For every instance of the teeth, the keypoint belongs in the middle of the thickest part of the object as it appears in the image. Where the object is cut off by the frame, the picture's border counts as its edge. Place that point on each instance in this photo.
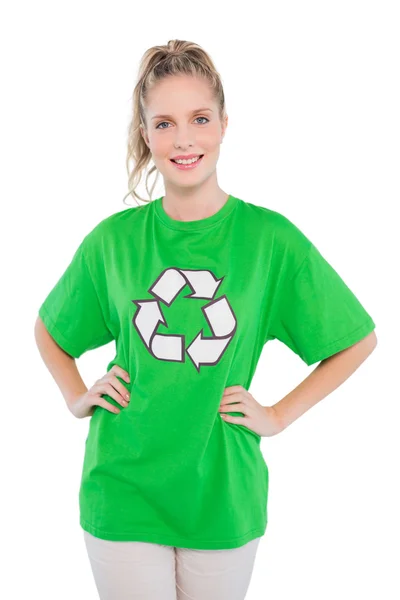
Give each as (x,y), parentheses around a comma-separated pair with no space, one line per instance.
(187,162)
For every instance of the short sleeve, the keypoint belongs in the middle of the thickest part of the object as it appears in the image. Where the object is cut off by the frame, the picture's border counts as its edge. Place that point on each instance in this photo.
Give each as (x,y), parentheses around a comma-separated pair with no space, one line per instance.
(72,311)
(316,314)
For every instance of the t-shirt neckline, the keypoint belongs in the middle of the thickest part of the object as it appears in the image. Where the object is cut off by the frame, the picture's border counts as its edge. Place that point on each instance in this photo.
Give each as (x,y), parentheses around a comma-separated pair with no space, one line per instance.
(223,212)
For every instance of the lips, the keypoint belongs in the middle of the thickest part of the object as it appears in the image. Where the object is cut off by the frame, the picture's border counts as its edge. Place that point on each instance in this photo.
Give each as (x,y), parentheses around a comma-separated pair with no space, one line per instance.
(188,167)
(174,161)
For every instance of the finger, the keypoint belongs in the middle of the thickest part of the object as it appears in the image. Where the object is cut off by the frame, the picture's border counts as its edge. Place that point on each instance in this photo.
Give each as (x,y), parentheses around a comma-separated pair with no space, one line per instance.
(107,405)
(228,406)
(121,389)
(231,398)
(117,370)
(236,420)
(233,389)
(232,401)
(105,387)
(238,407)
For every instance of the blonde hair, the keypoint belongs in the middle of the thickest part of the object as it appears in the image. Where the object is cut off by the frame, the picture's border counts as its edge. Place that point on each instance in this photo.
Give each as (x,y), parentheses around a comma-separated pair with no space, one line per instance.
(178,57)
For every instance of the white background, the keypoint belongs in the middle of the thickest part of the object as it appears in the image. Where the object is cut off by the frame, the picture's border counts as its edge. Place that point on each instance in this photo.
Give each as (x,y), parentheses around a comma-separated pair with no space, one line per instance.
(312,92)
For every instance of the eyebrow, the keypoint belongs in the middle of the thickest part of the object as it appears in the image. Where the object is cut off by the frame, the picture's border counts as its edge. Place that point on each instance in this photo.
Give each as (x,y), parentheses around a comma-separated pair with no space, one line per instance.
(191,113)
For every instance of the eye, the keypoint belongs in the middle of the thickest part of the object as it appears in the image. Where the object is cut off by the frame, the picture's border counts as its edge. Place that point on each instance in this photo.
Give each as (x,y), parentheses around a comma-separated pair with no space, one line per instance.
(162,123)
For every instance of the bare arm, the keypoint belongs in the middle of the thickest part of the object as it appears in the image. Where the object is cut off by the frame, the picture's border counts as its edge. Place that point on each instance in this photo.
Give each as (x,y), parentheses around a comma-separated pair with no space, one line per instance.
(61,365)
(80,400)
(326,377)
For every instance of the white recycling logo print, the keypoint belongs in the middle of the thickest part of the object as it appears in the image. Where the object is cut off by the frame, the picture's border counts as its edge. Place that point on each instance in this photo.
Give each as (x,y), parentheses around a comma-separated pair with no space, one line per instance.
(218,313)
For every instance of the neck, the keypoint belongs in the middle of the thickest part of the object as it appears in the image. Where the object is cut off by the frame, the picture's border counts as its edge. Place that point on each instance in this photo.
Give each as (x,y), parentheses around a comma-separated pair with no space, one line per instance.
(191,205)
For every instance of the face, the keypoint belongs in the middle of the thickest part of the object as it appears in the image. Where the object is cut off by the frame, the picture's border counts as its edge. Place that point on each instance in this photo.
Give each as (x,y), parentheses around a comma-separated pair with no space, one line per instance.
(176,126)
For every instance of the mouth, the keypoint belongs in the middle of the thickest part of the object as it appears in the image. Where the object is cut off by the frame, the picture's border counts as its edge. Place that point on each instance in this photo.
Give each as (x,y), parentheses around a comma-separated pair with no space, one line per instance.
(189,166)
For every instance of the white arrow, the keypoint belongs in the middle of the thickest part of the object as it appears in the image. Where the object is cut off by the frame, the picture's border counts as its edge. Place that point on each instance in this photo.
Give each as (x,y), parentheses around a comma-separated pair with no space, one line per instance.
(168,347)
(206,351)
(147,318)
(220,317)
(168,286)
(203,282)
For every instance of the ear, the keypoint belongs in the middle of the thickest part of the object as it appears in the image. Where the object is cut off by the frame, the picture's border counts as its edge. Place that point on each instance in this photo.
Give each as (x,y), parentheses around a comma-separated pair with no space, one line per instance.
(225,125)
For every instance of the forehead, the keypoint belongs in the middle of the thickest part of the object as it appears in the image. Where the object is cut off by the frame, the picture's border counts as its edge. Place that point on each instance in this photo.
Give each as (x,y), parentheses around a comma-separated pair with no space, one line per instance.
(179,95)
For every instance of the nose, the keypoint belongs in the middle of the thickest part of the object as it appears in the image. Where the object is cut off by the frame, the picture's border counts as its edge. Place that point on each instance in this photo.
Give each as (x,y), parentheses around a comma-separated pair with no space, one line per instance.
(183,139)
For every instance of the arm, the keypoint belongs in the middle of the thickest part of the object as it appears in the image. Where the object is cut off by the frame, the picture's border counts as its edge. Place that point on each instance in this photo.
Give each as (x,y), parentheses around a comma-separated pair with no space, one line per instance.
(329,374)
(61,365)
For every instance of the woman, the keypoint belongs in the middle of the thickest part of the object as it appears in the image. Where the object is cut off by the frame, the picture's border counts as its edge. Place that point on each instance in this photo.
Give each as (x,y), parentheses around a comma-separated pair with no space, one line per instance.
(173,497)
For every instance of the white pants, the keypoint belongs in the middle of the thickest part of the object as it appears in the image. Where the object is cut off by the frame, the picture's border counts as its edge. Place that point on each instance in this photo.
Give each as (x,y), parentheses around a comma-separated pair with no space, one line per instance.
(147,571)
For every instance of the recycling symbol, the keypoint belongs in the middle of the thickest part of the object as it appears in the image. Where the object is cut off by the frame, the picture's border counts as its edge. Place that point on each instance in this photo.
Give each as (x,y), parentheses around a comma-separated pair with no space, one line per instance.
(218,313)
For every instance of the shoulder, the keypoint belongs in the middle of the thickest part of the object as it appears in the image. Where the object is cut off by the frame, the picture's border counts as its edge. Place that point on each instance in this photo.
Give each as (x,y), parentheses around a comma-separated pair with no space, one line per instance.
(279,229)
(112,227)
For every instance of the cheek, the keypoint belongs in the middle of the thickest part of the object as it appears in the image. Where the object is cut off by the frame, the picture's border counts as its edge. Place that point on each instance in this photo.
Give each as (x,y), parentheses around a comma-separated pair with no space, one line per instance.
(159,147)
(209,140)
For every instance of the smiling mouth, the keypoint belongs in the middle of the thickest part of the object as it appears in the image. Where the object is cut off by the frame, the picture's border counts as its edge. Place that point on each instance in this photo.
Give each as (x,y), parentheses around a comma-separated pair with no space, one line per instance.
(174,161)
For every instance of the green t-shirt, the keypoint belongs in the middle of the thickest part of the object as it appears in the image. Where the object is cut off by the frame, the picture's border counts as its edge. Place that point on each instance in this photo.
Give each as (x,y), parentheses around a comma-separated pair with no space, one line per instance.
(190,306)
